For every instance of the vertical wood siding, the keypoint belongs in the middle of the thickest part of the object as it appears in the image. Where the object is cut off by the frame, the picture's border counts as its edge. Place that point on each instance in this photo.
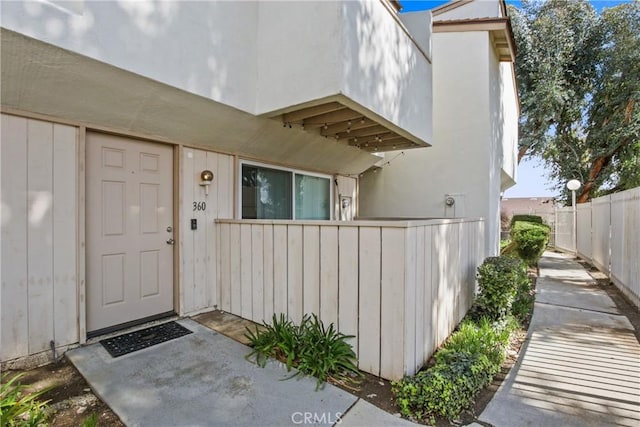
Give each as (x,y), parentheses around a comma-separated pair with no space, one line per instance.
(400,290)
(38,178)
(199,248)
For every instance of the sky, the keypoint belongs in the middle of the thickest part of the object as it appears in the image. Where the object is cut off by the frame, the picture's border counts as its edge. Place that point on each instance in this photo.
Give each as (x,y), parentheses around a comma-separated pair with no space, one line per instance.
(532,181)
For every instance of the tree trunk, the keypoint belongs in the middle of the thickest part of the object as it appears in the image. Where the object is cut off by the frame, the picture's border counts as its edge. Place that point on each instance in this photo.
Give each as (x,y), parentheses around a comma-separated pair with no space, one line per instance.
(521,152)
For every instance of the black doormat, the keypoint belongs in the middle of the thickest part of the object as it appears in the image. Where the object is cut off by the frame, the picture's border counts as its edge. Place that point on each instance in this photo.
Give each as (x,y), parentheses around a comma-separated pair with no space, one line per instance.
(134,341)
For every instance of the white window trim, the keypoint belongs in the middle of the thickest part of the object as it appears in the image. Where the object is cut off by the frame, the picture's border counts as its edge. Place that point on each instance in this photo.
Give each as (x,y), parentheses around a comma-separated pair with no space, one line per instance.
(293,186)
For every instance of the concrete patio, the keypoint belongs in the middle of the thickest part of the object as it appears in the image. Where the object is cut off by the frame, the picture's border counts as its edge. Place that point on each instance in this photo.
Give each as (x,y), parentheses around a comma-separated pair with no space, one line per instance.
(203,379)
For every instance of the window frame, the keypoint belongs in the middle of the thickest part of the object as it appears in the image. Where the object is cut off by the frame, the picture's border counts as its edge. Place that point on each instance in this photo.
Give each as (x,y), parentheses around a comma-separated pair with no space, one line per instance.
(293,173)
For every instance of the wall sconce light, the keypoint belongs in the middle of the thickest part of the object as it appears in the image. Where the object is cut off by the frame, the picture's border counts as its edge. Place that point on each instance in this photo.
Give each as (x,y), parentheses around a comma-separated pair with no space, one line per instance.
(206,178)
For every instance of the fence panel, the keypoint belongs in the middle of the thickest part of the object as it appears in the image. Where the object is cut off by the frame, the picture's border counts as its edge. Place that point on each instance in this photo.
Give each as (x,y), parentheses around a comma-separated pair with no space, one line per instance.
(584,230)
(399,286)
(564,229)
(625,242)
(608,236)
(600,232)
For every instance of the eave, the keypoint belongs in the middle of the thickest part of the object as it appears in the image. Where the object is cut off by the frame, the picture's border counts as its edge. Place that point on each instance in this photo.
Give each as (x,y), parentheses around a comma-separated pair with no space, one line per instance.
(499,28)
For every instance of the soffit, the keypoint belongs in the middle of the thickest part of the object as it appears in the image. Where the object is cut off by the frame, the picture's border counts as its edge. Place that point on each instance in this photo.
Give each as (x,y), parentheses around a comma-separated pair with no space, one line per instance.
(335,120)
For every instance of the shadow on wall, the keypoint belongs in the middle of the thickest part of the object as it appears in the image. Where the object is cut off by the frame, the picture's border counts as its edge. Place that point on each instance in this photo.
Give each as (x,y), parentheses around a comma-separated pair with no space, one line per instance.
(197,36)
(381,52)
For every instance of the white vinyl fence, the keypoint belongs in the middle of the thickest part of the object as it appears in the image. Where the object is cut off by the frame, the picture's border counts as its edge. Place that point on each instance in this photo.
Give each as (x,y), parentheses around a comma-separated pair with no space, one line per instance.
(564,229)
(400,287)
(608,235)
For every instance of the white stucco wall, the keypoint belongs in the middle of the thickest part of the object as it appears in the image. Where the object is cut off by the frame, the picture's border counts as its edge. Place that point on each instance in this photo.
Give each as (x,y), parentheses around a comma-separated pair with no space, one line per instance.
(259,57)
(474,9)
(511,111)
(383,69)
(464,160)
(298,53)
(419,25)
(206,48)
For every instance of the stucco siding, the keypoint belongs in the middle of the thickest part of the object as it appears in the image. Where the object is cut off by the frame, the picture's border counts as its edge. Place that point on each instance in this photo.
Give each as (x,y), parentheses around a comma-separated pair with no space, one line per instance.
(206,48)
(473,9)
(383,69)
(415,184)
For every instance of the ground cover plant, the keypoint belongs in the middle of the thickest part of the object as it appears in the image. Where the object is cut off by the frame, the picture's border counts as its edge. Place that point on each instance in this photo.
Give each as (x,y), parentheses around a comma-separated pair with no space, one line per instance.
(18,408)
(475,352)
(310,347)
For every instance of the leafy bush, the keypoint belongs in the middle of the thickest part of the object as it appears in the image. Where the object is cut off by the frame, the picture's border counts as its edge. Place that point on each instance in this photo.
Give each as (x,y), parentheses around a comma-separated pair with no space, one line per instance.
(18,408)
(526,218)
(466,364)
(310,347)
(498,280)
(522,305)
(530,240)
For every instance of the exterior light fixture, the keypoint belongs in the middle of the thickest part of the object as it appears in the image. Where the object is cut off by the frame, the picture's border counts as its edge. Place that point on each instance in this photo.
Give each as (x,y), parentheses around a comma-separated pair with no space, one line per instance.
(206,178)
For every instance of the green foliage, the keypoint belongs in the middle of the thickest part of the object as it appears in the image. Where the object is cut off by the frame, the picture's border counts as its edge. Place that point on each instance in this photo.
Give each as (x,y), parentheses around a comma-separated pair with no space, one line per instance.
(498,280)
(467,363)
(90,421)
(578,77)
(312,348)
(522,305)
(18,408)
(530,240)
(528,218)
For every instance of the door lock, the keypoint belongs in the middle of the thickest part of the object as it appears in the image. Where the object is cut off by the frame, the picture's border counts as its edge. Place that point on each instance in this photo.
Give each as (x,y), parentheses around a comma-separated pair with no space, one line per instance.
(171,242)
(169,229)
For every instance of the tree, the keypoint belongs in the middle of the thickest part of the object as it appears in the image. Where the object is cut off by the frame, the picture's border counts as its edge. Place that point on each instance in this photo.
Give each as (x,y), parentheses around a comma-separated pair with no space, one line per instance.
(578,79)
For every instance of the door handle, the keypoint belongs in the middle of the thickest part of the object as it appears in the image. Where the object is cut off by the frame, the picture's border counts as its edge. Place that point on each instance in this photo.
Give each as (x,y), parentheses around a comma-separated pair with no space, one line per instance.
(171,241)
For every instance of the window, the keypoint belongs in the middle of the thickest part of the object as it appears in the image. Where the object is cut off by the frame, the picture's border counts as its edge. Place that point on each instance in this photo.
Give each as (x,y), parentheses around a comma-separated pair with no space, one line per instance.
(269,193)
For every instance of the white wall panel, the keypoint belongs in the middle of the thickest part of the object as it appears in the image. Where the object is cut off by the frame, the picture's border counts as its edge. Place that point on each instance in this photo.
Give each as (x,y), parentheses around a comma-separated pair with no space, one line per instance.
(199,248)
(39,236)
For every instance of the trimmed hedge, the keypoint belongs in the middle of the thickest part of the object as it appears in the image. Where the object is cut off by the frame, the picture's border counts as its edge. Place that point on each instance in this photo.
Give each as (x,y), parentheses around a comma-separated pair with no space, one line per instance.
(499,279)
(526,218)
(530,240)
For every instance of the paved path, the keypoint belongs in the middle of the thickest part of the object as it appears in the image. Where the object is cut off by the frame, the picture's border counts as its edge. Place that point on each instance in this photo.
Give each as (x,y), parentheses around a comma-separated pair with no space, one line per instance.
(203,379)
(581,363)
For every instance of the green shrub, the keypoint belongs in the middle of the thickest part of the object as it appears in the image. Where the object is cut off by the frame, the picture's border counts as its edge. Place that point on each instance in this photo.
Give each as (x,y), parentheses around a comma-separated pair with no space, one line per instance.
(310,347)
(498,280)
(530,240)
(526,218)
(466,364)
(18,408)
(522,305)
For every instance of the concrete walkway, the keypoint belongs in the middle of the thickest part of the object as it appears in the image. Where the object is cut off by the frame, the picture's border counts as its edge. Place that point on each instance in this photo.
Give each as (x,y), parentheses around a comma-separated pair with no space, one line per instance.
(580,365)
(203,379)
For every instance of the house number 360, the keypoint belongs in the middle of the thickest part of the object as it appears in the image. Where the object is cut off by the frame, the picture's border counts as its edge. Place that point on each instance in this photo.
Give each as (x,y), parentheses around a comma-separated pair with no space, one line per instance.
(199,206)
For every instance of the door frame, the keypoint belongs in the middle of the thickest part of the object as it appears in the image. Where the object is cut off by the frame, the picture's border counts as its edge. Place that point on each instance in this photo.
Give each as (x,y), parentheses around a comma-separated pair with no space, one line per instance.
(82,228)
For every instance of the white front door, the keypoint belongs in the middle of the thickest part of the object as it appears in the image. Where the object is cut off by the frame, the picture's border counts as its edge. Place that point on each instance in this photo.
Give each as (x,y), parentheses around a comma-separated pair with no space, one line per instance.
(129,229)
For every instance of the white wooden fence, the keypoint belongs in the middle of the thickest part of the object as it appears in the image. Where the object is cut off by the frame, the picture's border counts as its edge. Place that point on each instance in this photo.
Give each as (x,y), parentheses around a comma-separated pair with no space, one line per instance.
(608,235)
(400,287)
